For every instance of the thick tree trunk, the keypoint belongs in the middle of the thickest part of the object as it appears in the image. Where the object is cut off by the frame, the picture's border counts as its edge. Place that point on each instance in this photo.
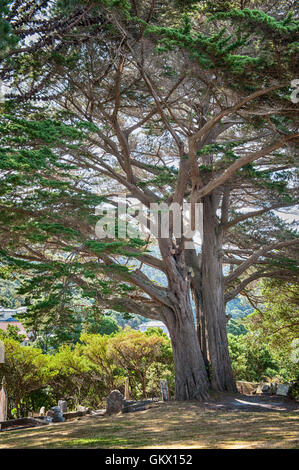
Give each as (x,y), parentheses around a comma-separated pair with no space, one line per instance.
(211,307)
(191,379)
(201,324)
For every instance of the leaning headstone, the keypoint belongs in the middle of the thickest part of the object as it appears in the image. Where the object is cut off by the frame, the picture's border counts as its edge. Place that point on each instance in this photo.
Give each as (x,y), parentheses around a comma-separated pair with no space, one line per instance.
(2,352)
(3,401)
(62,405)
(273,388)
(247,388)
(127,393)
(49,416)
(130,405)
(164,390)
(259,389)
(114,402)
(282,389)
(57,415)
(82,408)
(266,388)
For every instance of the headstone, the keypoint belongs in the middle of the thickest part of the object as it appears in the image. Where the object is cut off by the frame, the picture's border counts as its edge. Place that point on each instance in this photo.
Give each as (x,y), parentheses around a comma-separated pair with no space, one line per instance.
(247,388)
(49,416)
(3,401)
(2,352)
(100,412)
(259,389)
(273,387)
(164,390)
(127,393)
(130,405)
(42,411)
(282,389)
(62,405)
(266,388)
(115,402)
(57,415)
(82,408)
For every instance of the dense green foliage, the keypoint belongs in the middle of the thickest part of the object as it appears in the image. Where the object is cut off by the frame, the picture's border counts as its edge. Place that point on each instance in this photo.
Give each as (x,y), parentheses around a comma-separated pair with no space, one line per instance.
(250,361)
(206,85)
(12,332)
(27,370)
(86,373)
(275,326)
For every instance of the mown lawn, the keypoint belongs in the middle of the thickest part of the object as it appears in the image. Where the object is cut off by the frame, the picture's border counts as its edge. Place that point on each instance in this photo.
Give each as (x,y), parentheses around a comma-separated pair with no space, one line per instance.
(172,425)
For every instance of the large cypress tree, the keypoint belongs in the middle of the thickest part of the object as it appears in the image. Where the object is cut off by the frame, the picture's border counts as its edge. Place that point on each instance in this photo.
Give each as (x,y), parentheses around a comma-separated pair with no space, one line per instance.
(164,104)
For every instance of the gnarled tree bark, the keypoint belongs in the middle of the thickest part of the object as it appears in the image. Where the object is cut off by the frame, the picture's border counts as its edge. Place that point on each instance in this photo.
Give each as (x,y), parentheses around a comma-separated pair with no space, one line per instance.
(190,371)
(210,303)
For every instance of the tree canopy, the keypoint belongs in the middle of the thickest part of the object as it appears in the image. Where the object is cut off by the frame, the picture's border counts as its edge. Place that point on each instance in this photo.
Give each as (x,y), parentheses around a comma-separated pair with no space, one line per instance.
(155,102)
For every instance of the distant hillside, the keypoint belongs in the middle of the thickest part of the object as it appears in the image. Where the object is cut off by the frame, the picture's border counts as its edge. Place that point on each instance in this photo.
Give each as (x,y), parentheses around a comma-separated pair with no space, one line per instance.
(239,308)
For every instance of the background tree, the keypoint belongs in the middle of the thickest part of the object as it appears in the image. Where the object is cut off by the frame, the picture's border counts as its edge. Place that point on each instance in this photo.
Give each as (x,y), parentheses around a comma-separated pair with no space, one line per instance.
(276,324)
(81,380)
(96,349)
(104,326)
(135,352)
(251,360)
(12,332)
(85,373)
(26,370)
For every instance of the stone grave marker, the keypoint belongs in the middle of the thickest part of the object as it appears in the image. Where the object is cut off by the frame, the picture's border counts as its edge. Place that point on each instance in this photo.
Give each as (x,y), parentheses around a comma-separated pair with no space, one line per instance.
(164,390)
(282,389)
(62,405)
(3,401)
(114,402)
(57,415)
(82,408)
(273,388)
(265,388)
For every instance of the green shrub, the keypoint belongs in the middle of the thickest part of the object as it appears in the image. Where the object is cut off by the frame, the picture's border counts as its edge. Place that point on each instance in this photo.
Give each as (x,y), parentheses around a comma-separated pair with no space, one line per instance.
(27,371)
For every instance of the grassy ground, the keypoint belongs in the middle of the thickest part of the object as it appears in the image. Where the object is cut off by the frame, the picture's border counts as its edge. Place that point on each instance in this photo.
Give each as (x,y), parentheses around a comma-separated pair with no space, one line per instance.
(172,425)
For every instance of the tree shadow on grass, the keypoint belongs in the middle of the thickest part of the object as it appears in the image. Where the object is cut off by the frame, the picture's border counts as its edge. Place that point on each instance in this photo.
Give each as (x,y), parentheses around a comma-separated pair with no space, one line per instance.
(177,425)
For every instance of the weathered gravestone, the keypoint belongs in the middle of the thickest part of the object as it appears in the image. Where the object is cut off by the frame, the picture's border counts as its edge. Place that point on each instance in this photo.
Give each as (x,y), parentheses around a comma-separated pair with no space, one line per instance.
(114,402)
(247,388)
(62,405)
(266,388)
(82,408)
(164,390)
(3,401)
(2,352)
(282,389)
(273,388)
(42,411)
(57,415)
(49,416)
(131,406)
